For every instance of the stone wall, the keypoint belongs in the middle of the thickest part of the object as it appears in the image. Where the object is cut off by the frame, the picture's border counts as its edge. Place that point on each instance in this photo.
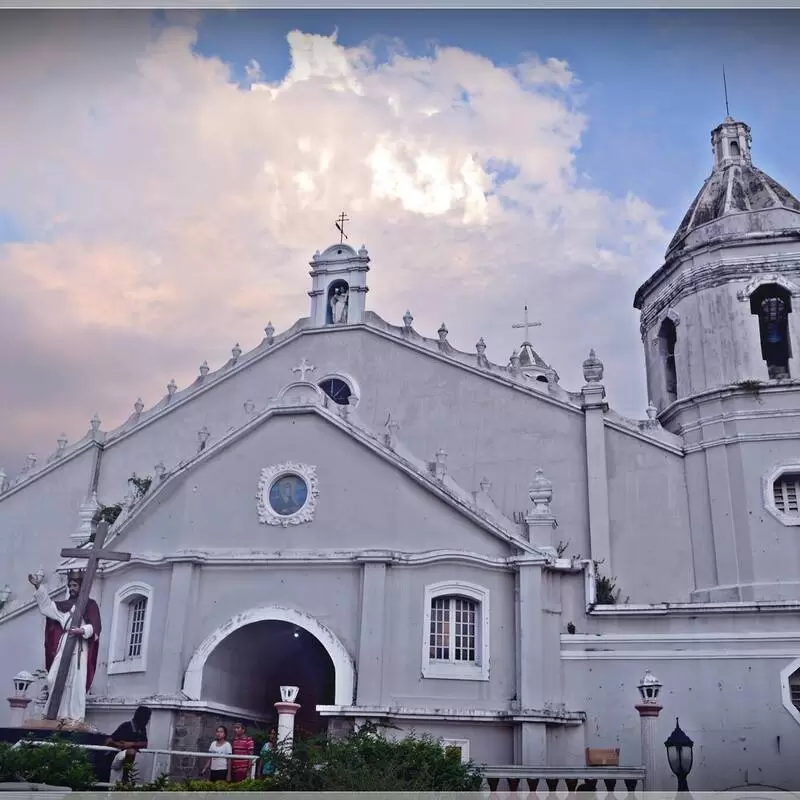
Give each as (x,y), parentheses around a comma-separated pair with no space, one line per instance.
(194,732)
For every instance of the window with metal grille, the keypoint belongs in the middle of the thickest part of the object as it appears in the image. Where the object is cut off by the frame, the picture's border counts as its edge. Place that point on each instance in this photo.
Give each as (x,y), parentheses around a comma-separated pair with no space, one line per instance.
(453,634)
(137,610)
(786,491)
(794,691)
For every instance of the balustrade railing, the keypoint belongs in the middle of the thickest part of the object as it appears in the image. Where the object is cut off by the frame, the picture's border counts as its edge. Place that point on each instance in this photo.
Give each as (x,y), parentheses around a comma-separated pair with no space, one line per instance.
(518,779)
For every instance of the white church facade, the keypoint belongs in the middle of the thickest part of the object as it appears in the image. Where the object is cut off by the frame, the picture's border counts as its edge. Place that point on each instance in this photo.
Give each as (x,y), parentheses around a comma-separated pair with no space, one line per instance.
(411,534)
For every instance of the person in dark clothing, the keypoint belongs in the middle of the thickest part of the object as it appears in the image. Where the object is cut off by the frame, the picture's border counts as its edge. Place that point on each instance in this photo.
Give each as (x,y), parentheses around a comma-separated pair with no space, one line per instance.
(129,738)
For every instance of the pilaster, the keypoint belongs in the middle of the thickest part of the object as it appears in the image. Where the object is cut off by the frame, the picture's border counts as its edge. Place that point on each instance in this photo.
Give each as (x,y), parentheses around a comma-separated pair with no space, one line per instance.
(594,403)
(181,591)
(370,645)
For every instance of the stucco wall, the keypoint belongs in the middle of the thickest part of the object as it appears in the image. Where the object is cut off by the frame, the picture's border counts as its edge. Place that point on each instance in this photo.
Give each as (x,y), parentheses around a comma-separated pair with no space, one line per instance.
(730,705)
(649,519)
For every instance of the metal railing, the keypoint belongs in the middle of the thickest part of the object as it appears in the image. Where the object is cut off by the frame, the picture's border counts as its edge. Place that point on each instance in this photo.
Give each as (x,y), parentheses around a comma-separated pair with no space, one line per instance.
(155,751)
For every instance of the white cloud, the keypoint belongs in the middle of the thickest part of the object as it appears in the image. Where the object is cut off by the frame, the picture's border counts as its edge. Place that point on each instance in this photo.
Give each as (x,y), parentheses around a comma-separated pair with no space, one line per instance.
(171,211)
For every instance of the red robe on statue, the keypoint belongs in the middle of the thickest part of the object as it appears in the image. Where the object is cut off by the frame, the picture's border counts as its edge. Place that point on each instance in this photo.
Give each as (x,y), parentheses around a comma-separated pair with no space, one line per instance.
(53,631)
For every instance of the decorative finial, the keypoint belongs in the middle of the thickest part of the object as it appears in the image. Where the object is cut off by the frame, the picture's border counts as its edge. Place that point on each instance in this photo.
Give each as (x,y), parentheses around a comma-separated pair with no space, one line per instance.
(480,347)
(485,485)
(362,251)
(172,387)
(270,331)
(236,351)
(408,319)
(651,411)
(249,407)
(138,406)
(95,422)
(442,333)
(540,493)
(392,426)
(593,368)
(513,363)
(302,368)
(339,223)
(3,478)
(62,443)
(202,437)
(204,369)
(440,463)
(160,470)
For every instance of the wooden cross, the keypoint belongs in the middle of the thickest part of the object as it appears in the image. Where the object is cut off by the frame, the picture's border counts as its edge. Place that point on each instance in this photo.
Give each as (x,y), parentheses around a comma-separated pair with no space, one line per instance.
(340,221)
(93,556)
(302,368)
(526,325)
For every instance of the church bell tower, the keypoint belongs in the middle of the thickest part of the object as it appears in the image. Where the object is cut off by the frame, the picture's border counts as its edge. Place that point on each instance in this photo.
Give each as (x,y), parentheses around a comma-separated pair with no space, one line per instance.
(339,286)
(721,335)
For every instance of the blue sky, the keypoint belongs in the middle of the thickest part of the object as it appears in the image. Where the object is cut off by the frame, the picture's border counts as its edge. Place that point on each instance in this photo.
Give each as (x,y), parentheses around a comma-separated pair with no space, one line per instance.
(154,210)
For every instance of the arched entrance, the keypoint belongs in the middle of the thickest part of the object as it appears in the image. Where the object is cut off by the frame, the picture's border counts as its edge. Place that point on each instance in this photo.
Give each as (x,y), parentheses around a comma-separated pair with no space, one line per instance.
(244,662)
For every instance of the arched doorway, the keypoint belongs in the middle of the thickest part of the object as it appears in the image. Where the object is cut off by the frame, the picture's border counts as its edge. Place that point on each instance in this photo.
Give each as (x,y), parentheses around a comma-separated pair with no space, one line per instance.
(244,663)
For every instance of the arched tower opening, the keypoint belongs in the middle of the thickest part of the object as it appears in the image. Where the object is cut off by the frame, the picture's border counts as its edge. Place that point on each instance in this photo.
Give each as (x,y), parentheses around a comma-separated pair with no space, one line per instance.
(338,301)
(772,304)
(668,337)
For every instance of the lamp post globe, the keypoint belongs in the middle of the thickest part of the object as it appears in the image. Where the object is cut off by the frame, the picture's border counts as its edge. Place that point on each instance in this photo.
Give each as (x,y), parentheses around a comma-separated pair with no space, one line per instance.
(680,755)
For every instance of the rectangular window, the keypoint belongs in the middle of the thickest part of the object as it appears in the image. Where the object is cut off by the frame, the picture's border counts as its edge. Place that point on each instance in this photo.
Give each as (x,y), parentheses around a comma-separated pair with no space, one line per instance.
(453,633)
(137,609)
(786,491)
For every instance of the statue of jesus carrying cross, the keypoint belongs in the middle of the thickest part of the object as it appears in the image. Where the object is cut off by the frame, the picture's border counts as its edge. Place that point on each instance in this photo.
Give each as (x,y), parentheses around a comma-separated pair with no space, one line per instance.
(72,632)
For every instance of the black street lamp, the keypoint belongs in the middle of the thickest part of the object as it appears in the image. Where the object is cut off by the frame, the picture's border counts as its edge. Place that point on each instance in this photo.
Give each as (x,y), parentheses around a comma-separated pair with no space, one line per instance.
(680,755)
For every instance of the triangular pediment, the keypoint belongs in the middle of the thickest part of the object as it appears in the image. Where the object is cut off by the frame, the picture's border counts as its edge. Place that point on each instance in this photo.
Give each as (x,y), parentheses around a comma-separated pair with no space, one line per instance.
(358,493)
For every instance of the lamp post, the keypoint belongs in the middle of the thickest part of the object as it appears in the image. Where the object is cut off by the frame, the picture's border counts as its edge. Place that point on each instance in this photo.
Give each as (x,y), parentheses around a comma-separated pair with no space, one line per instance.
(680,755)
(649,709)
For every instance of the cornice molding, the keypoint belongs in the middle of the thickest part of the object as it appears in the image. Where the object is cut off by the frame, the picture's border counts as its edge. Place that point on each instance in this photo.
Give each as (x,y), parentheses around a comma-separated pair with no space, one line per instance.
(690,280)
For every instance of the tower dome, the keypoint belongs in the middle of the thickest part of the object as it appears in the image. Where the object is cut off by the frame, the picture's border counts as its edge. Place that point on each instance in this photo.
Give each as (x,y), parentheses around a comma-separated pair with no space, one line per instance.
(737,199)
(720,311)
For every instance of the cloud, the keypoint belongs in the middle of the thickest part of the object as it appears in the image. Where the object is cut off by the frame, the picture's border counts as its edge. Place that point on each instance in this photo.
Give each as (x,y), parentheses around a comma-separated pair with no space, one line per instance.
(169,211)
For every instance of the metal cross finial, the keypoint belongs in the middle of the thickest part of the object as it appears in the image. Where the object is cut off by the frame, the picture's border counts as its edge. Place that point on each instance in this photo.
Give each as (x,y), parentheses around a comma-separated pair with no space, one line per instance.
(340,221)
(725,86)
(526,324)
(302,368)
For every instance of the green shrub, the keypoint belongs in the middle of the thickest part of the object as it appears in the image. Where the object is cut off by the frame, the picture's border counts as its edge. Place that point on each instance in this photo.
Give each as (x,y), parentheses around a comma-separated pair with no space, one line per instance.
(366,761)
(57,763)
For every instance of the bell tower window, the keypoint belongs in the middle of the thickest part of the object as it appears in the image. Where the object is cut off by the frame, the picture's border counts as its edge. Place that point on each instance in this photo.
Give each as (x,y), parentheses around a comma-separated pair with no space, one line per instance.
(669,336)
(772,305)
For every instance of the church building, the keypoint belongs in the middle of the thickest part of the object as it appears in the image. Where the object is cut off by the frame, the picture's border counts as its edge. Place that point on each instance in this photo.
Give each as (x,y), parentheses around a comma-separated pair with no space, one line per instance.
(416,536)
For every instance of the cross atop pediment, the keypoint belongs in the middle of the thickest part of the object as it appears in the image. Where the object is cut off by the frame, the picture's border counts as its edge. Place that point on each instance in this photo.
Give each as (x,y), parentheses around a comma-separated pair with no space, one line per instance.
(302,368)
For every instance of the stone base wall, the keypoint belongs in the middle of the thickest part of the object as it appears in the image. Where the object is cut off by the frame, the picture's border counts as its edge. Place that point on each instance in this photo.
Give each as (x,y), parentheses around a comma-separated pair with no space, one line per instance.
(194,732)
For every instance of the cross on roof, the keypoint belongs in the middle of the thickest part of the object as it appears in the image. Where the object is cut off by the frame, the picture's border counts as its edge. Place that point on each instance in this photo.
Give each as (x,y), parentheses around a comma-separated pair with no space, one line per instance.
(526,324)
(93,556)
(340,221)
(302,368)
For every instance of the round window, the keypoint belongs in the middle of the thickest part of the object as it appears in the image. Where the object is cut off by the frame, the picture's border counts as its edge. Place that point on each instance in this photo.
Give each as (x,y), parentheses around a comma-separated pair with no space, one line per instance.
(337,390)
(288,494)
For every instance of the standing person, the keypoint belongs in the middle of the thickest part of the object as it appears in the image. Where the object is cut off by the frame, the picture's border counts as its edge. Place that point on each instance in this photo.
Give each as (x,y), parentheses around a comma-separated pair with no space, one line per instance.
(266,761)
(241,745)
(219,769)
(129,738)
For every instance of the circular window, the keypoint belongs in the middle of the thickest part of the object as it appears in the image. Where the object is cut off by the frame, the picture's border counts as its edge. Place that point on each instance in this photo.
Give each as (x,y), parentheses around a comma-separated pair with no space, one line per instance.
(337,390)
(288,494)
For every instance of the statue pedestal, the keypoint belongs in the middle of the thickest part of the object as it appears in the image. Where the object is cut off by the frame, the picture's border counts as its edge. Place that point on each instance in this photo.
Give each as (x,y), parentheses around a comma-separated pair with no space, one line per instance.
(41,730)
(19,705)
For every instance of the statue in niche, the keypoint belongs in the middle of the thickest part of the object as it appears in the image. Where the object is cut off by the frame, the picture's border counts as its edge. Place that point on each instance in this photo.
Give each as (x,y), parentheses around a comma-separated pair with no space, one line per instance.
(339,302)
